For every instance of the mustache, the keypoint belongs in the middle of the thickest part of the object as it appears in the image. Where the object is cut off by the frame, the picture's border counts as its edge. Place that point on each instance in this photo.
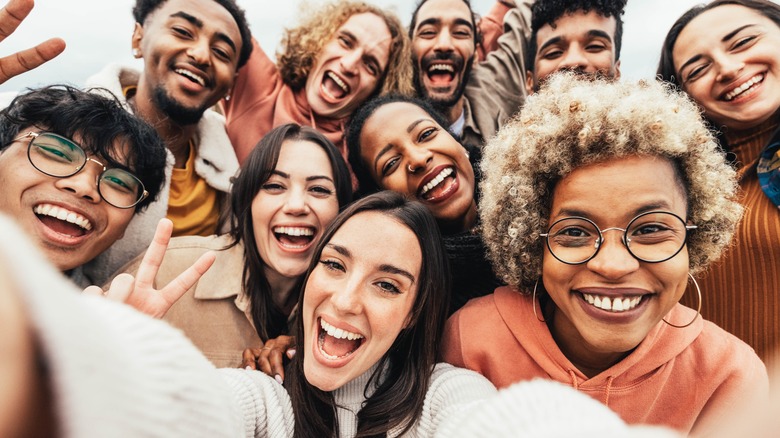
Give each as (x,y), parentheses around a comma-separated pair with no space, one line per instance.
(456,60)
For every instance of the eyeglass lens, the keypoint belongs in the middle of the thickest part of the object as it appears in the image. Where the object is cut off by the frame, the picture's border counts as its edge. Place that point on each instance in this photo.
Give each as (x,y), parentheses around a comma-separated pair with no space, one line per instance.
(651,237)
(59,157)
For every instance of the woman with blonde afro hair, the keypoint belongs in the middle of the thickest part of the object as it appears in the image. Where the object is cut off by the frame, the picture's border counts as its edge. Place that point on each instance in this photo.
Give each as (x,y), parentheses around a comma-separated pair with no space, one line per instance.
(599,202)
(340,55)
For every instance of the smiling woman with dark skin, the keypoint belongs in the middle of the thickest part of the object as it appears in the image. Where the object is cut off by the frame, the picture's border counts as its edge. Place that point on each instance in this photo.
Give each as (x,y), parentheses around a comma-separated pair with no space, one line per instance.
(400,143)
(598,204)
(724,55)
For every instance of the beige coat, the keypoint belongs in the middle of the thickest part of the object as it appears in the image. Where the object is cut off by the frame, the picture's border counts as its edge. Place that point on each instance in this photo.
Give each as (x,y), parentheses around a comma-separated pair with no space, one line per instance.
(215,313)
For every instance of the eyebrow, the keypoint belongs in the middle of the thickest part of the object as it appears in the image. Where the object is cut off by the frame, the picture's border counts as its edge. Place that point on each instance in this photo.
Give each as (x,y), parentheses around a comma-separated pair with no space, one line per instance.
(366,54)
(725,38)
(390,269)
(591,33)
(195,21)
(308,178)
(437,21)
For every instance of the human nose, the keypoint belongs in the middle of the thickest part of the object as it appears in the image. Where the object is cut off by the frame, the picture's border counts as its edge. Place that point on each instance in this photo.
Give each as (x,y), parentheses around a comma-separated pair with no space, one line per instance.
(199,51)
(419,159)
(613,259)
(444,42)
(350,61)
(574,59)
(346,297)
(729,67)
(83,184)
(296,203)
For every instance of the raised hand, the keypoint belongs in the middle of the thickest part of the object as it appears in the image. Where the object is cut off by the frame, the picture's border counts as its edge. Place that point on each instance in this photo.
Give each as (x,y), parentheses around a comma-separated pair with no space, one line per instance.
(140,293)
(270,358)
(12,14)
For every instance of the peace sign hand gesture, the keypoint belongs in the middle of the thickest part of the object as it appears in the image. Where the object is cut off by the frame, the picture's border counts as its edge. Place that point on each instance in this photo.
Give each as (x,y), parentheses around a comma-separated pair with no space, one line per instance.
(140,293)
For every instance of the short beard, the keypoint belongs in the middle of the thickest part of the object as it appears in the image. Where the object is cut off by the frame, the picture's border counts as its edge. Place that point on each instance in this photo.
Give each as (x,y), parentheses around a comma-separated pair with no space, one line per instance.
(175,111)
(442,105)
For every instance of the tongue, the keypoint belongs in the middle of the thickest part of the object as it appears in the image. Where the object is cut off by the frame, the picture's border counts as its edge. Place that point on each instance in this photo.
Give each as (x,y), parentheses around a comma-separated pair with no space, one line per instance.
(332,87)
(339,347)
(440,78)
(440,189)
(62,227)
(294,240)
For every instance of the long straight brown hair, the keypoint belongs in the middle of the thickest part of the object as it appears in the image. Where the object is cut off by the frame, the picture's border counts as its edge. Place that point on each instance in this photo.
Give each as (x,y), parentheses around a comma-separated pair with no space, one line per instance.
(404,371)
(270,321)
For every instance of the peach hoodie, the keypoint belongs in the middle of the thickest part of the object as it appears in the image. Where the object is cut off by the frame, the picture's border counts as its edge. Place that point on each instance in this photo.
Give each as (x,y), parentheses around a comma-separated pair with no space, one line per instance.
(687,379)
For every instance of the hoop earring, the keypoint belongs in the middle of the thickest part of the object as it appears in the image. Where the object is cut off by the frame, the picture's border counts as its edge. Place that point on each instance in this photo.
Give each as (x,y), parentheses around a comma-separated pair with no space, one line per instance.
(533,302)
(698,309)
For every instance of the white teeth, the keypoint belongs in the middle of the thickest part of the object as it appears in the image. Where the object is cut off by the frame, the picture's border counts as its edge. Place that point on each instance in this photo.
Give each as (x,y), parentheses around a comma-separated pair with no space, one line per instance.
(343,85)
(192,76)
(731,95)
(614,304)
(436,181)
(294,231)
(338,333)
(442,67)
(63,215)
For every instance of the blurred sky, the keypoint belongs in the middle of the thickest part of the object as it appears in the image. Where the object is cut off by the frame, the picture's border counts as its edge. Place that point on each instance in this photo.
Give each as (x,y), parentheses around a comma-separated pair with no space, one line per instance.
(98,32)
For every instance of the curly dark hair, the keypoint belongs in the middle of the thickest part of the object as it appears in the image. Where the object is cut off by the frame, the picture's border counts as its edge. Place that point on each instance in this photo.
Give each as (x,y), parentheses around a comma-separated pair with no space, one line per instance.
(143,8)
(102,124)
(545,12)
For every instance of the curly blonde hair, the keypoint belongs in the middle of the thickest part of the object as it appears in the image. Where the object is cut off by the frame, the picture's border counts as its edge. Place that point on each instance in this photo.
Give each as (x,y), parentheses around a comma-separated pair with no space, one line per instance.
(575,121)
(302,45)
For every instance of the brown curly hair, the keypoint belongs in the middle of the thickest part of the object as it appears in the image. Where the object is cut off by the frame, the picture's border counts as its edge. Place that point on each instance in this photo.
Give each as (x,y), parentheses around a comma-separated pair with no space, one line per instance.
(302,45)
(576,121)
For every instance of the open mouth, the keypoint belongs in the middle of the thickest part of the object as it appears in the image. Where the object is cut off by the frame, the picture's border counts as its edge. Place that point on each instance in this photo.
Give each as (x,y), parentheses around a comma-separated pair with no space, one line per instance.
(62,221)
(191,76)
(335,343)
(294,237)
(613,304)
(441,74)
(440,185)
(745,88)
(334,86)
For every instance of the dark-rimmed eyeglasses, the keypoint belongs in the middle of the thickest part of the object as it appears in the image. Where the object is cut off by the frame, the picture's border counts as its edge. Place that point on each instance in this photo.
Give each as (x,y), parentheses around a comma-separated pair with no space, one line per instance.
(61,157)
(651,237)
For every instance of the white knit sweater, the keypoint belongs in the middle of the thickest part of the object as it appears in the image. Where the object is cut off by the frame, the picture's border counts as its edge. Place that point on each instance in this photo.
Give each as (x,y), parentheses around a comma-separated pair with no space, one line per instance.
(268,412)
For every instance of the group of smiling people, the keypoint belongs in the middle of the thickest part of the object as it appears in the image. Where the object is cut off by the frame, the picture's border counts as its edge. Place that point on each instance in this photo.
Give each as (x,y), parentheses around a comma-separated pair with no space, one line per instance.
(379,277)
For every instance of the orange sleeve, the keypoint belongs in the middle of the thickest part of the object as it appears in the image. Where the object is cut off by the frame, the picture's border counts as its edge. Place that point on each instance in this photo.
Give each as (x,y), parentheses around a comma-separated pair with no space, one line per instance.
(451,349)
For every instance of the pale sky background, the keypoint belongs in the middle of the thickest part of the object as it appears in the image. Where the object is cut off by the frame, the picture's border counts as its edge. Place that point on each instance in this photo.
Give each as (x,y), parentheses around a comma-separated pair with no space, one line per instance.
(98,32)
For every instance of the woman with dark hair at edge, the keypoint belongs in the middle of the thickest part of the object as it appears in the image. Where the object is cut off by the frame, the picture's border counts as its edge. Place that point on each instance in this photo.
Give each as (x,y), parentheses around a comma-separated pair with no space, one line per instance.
(280,206)
(724,56)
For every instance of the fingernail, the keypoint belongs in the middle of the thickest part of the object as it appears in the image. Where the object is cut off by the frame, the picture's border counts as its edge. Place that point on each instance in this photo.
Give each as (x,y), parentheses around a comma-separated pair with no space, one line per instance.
(278,379)
(248,368)
(291,353)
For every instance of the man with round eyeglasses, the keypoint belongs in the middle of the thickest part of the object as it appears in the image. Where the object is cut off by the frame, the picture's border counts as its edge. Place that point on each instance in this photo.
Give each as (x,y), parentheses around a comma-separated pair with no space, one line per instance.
(75,168)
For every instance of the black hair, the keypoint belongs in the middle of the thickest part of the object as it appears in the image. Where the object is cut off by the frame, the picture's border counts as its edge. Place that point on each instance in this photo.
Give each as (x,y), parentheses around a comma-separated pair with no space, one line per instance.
(666,70)
(269,321)
(404,371)
(366,183)
(545,12)
(103,126)
(143,8)
(474,21)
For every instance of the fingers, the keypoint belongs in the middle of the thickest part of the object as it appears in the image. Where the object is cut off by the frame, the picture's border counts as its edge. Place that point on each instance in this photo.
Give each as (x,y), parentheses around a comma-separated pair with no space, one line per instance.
(92,290)
(153,258)
(184,281)
(248,358)
(10,17)
(121,288)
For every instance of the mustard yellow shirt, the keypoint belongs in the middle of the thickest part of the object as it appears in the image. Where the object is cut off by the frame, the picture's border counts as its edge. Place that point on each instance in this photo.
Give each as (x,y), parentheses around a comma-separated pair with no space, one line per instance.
(192,204)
